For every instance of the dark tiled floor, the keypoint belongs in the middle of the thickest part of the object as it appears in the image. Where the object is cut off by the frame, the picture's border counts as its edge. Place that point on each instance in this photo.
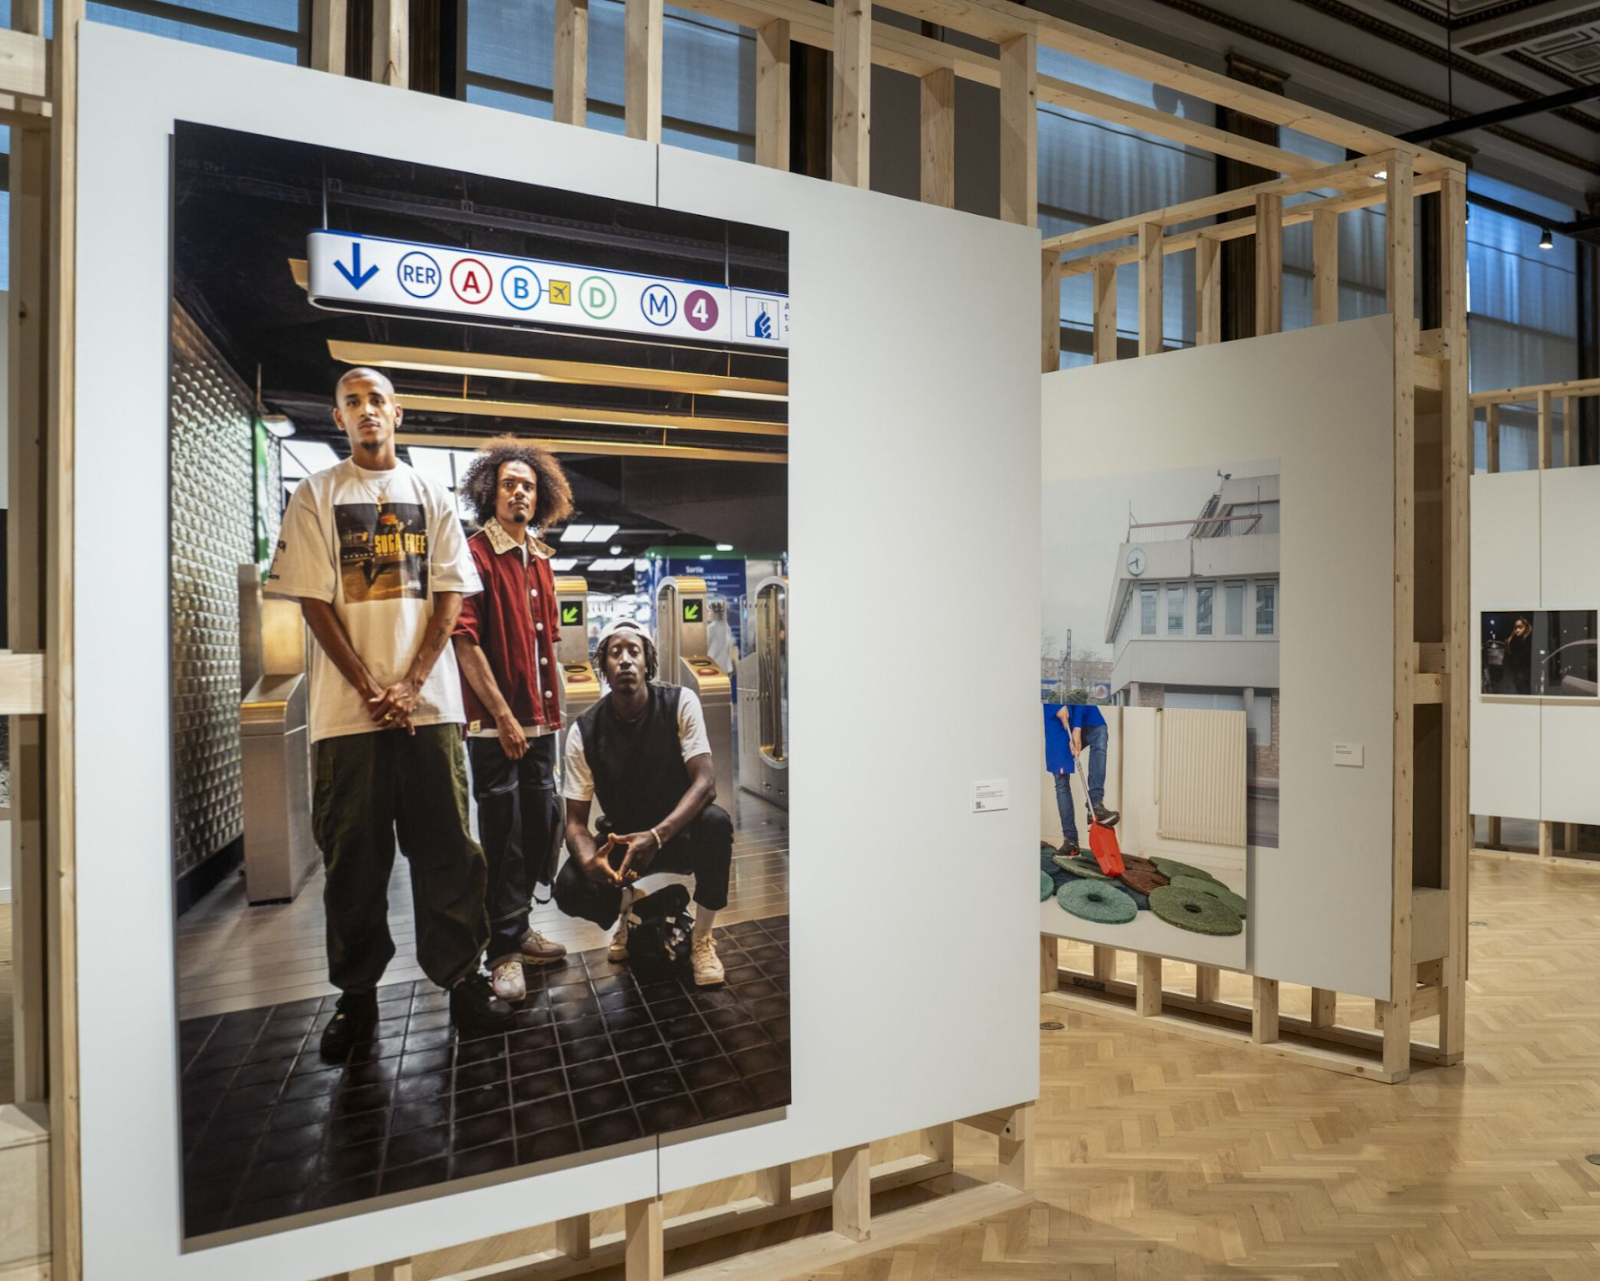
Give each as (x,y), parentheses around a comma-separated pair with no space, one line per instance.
(270,1129)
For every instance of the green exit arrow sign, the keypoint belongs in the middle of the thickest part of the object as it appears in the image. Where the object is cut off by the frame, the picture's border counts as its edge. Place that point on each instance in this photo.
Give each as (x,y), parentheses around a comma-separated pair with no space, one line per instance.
(691,611)
(571,615)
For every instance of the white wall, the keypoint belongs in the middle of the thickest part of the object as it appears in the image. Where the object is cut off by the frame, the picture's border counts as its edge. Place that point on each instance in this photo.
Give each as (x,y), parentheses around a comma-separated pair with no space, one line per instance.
(1535,539)
(1319,400)
(912,324)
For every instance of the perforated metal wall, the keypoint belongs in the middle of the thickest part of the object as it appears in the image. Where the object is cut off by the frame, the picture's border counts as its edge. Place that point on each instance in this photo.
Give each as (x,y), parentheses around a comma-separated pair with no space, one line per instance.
(212,530)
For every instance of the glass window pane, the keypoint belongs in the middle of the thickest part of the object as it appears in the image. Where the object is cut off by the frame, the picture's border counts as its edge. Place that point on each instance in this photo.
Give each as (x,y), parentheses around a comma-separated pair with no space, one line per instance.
(114,17)
(1266,608)
(283,14)
(1175,609)
(1235,608)
(1203,593)
(1147,611)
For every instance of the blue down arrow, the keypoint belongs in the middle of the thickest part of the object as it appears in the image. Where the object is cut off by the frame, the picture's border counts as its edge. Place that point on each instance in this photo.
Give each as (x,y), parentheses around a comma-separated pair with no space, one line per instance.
(353,273)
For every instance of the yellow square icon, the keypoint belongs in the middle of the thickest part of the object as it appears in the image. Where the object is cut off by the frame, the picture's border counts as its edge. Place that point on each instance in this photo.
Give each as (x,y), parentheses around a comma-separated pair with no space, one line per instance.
(561,293)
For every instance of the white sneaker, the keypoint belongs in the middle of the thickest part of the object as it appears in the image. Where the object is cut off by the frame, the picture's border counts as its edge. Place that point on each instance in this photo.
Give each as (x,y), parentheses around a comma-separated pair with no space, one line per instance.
(618,951)
(508,981)
(703,959)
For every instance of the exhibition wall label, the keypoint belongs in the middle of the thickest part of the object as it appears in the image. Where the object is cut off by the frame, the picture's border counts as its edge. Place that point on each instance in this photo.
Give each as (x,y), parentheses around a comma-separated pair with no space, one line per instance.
(374,273)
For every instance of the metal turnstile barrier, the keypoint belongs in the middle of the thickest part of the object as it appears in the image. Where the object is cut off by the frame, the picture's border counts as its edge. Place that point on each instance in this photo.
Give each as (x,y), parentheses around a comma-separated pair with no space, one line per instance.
(763,697)
(279,851)
(681,645)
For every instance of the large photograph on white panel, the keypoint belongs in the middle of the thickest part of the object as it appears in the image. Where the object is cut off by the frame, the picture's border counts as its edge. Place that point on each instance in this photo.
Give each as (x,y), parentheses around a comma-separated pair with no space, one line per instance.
(479,638)
(1159,706)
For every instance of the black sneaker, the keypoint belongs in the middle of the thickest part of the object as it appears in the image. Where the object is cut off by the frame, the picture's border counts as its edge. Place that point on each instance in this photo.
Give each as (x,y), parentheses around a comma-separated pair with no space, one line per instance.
(475,1008)
(1069,849)
(353,1024)
(1105,817)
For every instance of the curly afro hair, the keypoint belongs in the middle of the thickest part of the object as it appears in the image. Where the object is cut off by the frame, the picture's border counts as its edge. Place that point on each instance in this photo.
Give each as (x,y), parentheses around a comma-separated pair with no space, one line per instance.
(478,484)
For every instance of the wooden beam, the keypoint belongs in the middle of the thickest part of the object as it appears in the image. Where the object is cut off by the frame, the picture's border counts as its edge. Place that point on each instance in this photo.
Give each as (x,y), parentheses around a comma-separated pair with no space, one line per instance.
(1147,989)
(1399,283)
(1150,293)
(1324,267)
(852,1192)
(391,43)
(852,92)
(21,684)
(1492,439)
(1324,1007)
(1263,1010)
(1207,983)
(1269,264)
(570,100)
(775,1184)
(572,1236)
(1207,291)
(939,140)
(1105,312)
(1221,203)
(328,36)
(1547,839)
(1569,431)
(773,45)
(1050,311)
(1016,1150)
(1019,130)
(1049,962)
(642,69)
(1104,962)
(1530,394)
(1545,458)
(644,1255)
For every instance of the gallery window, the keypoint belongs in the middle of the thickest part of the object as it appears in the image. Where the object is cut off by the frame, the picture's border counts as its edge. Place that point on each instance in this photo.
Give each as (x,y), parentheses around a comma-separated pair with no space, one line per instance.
(1203,594)
(1233,602)
(1175,609)
(1266,609)
(1147,611)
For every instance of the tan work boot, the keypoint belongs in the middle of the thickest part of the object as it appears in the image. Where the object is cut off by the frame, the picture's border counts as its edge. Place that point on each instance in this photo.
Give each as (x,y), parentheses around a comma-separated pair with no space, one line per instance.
(538,950)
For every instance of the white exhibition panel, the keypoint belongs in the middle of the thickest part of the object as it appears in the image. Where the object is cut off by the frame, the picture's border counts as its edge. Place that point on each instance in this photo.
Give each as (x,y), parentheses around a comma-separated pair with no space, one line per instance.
(1535,538)
(1319,400)
(914,411)
(896,888)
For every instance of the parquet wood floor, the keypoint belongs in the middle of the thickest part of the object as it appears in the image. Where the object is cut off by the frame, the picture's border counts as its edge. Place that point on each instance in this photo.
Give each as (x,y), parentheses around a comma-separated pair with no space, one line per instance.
(1168,1159)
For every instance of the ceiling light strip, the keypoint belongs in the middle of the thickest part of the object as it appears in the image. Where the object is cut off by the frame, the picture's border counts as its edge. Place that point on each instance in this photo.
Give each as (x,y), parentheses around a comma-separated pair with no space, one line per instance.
(610,448)
(583,414)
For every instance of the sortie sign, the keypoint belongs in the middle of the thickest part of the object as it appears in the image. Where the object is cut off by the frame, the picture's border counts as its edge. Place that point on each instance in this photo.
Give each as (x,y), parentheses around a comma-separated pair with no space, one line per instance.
(365,272)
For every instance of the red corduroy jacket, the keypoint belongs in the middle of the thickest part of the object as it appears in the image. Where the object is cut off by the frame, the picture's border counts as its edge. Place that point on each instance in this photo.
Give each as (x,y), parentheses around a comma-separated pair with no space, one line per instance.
(516,623)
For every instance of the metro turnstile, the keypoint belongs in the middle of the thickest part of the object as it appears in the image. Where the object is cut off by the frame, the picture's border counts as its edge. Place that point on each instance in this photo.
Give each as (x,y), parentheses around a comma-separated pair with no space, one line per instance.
(681,645)
(763,697)
(580,688)
(279,852)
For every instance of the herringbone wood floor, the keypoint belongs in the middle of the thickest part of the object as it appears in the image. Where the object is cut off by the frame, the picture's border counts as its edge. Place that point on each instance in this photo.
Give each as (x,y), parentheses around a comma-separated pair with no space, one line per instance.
(1167,1159)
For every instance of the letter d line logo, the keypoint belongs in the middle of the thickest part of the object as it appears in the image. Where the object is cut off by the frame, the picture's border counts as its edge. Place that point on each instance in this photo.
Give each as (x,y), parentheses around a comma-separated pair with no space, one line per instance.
(598,297)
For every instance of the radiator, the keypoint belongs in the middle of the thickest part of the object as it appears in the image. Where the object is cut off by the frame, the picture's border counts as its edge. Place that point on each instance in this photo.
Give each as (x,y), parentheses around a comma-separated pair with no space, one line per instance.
(1200,782)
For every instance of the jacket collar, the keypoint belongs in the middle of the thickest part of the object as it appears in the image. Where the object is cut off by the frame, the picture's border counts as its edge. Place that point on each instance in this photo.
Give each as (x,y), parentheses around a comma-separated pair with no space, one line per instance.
(502,542)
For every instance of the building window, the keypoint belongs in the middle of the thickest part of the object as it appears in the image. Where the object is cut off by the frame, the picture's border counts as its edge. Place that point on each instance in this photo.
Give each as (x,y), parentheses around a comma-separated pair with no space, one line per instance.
(1266,608)
(1147,611)
(1203,592)
(1174,609)
(1233,601)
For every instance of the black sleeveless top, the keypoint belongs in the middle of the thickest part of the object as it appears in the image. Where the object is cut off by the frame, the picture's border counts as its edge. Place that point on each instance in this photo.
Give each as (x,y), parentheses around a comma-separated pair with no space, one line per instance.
(638,769)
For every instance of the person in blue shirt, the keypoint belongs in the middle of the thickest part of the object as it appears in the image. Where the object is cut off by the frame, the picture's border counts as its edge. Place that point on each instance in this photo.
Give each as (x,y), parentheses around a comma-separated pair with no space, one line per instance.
(1069,728)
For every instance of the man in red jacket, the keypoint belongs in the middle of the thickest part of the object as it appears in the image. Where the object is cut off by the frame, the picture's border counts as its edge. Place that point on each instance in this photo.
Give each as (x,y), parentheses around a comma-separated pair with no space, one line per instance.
(505,643)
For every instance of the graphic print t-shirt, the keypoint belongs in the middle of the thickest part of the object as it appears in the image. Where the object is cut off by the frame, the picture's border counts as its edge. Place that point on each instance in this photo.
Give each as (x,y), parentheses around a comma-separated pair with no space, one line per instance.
(377,545)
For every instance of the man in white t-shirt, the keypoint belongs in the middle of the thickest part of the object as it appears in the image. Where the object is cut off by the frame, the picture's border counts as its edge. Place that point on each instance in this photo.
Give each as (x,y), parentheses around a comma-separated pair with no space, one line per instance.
(375,555)
(643,751)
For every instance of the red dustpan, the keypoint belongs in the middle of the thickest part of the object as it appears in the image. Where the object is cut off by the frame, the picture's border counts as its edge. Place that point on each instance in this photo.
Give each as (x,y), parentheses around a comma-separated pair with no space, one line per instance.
(1102,840)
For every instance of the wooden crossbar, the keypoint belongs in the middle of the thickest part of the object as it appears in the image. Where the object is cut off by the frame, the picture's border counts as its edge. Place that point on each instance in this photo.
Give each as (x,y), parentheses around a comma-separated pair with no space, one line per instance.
(1531,393)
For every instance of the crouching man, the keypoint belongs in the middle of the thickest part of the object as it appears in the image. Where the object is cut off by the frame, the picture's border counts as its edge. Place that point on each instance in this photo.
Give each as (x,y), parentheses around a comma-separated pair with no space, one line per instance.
(642,751)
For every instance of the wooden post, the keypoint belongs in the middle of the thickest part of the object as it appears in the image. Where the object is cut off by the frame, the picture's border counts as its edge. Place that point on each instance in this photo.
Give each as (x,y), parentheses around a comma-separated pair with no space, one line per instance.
(939,140)
(1105,963)
(1049,963)
(644,1256)
(1105,312)
(1147,986)
(1547,843)
(852,92)
(327,36)
(1050,311)
(570,102)
(772,94)
(1400,283)
(391,43)
(1457,444)
(399,1270)
(1207,983)
(572,1236)
(642,69)
(1324,1007)
(1324,267)
(1491,417)
(1207,291)
(1269,264)
(1016,1150)
(1019,128)
(1546,452)
(1569,431)
(939,1143)
(1150,265)
(775,1184)
(852,1192)
(1264,1010)
(1494,831)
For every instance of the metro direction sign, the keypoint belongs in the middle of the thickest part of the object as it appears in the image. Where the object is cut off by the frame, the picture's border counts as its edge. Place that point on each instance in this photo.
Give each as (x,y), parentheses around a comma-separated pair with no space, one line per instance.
(349,271)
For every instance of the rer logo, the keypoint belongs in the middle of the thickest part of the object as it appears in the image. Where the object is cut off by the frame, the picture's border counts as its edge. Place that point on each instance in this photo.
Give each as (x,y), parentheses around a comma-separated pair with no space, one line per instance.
(419,274)
(691,611)
(659,305)
(598,297)
(572,615)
